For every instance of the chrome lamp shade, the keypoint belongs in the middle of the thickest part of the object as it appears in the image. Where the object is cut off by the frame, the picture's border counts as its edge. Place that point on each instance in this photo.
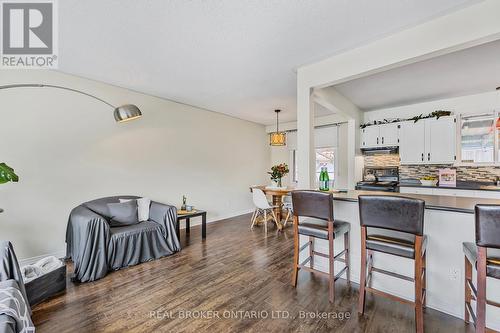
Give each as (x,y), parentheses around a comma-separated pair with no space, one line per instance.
(127,112)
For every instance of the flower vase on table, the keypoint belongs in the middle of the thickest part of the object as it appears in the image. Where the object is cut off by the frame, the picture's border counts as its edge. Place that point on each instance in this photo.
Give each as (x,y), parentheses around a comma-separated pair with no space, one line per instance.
(278,172)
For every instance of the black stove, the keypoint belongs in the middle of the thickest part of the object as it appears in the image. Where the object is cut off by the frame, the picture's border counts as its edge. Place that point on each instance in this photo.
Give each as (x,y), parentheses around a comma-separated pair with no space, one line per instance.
(379,179)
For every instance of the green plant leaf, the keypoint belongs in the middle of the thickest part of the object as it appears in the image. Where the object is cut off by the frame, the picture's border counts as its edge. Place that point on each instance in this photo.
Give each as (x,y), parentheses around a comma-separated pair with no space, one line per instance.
(7,174)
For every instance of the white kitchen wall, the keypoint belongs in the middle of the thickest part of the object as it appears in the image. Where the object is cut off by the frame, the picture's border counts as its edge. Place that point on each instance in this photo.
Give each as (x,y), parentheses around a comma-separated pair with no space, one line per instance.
(478,103)
(67,149)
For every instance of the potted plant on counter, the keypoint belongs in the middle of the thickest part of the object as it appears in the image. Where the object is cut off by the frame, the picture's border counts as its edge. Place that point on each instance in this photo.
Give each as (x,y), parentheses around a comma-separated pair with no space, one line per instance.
(7,174)
(278,172)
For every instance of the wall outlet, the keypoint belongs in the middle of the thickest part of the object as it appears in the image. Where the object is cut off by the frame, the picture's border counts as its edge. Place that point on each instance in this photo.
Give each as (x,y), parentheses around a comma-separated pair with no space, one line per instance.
(454,274)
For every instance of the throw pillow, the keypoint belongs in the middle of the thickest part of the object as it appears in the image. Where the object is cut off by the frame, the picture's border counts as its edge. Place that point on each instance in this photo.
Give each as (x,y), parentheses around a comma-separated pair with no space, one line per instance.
(123,213)
(143,205)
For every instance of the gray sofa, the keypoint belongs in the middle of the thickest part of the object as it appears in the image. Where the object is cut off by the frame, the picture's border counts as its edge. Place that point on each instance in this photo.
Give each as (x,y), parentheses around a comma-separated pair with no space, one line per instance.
(97,248)
(12,293)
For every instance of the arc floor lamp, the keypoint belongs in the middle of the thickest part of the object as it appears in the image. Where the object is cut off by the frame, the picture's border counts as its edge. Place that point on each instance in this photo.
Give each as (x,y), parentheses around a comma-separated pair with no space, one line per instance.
(122,113)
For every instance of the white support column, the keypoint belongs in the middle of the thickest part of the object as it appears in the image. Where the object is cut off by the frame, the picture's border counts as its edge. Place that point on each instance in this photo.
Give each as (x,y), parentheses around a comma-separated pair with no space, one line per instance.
(352,138)
(340,104)
(305,137)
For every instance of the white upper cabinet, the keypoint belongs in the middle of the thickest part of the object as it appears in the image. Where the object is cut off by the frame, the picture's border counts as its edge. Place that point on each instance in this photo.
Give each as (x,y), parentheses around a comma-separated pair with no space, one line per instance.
(389,134)
(380,135)
(369,136)
(440,140)
(412,142)
(428,141)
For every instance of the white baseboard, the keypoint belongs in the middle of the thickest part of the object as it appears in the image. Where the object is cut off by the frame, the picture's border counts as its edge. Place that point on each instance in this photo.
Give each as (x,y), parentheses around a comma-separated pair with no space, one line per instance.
(219,218)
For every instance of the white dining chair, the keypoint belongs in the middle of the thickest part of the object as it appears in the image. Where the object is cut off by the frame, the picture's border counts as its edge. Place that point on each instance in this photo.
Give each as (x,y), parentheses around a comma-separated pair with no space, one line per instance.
(263,207)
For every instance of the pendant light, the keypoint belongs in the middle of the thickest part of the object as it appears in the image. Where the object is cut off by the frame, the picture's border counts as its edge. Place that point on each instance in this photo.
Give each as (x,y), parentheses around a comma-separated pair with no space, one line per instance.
(277,138)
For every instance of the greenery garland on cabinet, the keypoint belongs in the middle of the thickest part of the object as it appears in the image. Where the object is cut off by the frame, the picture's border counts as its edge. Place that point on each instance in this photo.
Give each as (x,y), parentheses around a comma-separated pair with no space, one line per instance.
(436,114)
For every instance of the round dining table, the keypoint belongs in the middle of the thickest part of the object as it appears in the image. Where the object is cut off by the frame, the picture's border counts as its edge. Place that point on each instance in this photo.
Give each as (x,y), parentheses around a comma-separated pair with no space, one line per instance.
(277,194)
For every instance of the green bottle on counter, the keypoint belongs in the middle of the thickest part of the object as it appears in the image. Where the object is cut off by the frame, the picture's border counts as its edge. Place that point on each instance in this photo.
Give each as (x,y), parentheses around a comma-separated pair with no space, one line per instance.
(324,179)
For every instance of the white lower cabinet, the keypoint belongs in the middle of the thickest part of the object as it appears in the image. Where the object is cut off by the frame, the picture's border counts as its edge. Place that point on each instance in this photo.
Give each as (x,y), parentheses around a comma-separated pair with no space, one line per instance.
(454,192)
(451,192)
(488,194)
(416,190)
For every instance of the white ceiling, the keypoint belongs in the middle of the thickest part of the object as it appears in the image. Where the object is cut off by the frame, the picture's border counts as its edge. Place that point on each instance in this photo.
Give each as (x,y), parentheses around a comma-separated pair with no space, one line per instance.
(465,72)
(234,57)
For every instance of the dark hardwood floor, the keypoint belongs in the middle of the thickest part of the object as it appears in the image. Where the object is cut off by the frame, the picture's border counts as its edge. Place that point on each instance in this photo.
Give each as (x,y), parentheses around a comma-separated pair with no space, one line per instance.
(238,273)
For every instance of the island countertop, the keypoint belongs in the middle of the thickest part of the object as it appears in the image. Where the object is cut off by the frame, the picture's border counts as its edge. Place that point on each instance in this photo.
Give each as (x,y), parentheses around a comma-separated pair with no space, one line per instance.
(461,185)
(435,202)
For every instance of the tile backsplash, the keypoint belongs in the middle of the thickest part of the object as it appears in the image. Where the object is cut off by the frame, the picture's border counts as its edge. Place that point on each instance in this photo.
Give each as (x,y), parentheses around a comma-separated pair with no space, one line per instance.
(382,160)
(464,173)
(476,174)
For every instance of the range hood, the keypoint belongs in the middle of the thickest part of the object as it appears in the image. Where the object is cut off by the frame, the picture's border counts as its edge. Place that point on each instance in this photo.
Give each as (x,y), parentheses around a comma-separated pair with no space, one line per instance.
(380,150)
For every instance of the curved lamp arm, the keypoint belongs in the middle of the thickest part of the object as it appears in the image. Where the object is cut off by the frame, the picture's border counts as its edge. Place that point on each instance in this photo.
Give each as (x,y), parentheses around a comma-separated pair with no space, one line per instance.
(122,113)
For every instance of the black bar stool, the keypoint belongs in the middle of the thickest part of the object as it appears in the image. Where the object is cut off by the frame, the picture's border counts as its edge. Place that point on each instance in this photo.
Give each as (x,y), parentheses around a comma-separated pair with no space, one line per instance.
(485,256)
(320,223)
(393,225)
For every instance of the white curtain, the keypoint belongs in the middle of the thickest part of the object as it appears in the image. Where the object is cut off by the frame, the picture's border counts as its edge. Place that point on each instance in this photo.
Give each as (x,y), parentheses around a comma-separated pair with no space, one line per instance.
(323,137)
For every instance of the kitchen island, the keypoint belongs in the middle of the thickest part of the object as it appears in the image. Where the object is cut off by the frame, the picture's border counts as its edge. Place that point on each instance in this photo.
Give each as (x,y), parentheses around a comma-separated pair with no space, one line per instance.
(449,221)
(432,202)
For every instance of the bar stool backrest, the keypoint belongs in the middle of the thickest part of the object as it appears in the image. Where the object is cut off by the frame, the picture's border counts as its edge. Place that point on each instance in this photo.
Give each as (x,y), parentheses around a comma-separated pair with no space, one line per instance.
(392,212)
(488,225)
(313,204)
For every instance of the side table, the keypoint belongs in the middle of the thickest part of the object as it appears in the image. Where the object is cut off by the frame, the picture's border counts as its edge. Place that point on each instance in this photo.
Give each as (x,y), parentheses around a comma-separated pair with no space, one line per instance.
(188,217)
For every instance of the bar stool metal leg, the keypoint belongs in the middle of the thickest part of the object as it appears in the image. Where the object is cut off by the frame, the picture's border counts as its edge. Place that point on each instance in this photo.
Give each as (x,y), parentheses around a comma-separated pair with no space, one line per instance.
(311,251)
(362,278)
(331,260)
(369,268)
(295,251)
(347,257)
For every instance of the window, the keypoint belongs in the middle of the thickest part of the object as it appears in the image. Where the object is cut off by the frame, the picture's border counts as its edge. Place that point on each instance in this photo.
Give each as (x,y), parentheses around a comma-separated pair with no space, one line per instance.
(325,157)
(478,134)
